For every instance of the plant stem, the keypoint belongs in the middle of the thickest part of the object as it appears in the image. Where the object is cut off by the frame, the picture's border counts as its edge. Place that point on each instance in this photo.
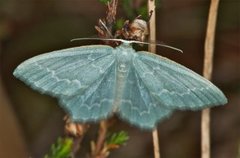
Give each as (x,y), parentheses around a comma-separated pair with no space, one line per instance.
(156,143)
(101,139)
(207,72)
(152,48)
(152,25)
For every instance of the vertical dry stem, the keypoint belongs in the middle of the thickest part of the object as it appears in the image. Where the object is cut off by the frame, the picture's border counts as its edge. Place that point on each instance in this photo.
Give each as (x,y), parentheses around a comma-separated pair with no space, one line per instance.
(101,139)
(207,72)
(152,25)
(156,143)
(152,48)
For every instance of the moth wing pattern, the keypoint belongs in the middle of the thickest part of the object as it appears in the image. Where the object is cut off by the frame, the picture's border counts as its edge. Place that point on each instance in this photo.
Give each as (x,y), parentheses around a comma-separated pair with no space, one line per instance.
(174,85)
(66,72)
(96,102)
(138,106)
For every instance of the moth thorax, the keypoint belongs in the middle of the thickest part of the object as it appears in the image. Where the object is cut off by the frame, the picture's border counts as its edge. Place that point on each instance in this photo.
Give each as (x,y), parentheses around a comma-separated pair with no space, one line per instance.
(123,58)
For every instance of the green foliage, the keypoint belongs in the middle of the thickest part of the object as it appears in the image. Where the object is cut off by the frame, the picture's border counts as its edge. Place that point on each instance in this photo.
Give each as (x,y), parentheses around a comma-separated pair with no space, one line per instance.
(141,10)
(158,3)
(118,138)
(129,11)
(104,1)
(62,149)
(119,23)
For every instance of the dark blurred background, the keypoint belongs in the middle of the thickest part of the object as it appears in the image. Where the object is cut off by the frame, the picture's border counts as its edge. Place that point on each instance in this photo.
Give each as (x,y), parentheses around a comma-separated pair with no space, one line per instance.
(31,122)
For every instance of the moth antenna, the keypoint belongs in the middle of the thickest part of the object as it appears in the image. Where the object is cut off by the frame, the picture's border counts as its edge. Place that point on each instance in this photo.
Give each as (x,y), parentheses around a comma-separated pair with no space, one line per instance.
(170,47)
(158,44)
(126,41)
(101,39)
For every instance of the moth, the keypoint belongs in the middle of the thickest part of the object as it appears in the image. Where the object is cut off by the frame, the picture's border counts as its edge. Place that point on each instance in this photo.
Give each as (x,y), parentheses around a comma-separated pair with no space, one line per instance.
(95,81)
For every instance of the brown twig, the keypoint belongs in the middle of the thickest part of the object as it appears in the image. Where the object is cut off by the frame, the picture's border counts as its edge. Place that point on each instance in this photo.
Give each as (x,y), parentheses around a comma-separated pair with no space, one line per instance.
(207,72)
(76,131)
(152,48)
(105,26)
(111,13)
(98,148)
(156,143)
(152,25)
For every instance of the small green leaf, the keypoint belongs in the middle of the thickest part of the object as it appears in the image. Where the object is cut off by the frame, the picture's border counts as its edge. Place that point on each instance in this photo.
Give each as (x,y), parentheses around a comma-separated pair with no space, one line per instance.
(143,11)
(119,23)
(119,138)
(62,149)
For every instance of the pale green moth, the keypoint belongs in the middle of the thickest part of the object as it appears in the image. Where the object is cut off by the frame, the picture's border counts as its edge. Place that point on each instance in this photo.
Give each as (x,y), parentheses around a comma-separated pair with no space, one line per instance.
(93,82)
